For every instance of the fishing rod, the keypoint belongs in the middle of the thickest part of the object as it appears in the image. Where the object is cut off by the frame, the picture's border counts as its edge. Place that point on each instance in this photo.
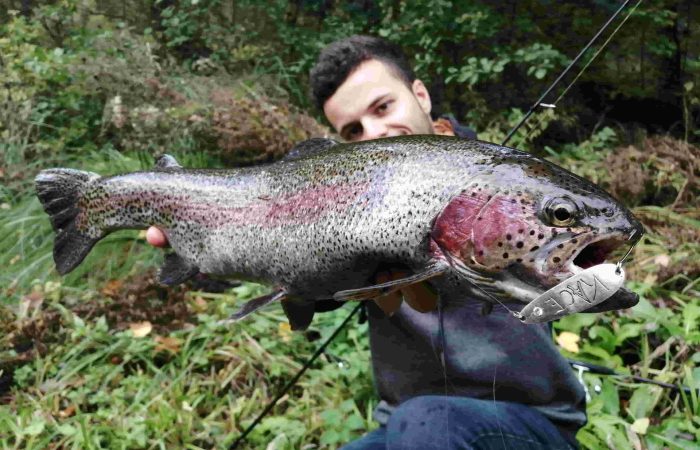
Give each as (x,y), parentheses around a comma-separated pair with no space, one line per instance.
(539,102)
(582,366)
(360,305)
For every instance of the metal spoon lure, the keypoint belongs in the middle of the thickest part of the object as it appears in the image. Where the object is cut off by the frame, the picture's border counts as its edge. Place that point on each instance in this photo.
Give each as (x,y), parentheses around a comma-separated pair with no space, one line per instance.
(577,293)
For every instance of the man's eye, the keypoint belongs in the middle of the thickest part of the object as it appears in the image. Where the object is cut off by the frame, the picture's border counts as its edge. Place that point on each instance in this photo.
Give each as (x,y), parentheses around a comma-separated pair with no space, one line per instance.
(383,107)
(353,132)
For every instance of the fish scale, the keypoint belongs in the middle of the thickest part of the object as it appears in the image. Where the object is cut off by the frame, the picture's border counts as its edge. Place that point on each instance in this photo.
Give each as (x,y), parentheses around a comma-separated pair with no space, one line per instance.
(320,224)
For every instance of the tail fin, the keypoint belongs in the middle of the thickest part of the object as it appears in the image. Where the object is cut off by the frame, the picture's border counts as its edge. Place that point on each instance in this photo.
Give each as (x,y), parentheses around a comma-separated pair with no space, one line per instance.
(59,191)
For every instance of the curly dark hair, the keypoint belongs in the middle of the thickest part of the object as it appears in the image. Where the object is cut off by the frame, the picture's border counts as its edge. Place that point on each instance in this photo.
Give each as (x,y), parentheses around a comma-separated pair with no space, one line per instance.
(339,59)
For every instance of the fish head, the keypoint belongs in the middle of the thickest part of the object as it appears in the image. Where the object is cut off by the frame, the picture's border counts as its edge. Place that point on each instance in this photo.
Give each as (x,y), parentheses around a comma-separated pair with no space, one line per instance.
(525,225)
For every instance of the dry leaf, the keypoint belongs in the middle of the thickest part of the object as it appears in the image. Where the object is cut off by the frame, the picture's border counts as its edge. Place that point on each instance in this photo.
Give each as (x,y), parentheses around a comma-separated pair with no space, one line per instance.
(15,259)
(67,412)
(640,426)
(141,329)
(662,260)
(167,343)
(31,301)
(112,287)
(568,341)
(285,331)
(199,304)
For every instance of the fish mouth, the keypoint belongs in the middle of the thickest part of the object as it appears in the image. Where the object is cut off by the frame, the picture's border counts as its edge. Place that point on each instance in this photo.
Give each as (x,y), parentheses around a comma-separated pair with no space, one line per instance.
(595,253)
(593,250)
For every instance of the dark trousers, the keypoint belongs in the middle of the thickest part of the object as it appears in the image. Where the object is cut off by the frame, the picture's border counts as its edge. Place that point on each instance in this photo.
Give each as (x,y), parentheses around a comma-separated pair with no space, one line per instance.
(455,423)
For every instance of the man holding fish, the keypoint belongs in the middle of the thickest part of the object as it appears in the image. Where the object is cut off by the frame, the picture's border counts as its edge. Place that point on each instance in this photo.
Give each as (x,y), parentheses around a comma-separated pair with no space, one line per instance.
(456,377)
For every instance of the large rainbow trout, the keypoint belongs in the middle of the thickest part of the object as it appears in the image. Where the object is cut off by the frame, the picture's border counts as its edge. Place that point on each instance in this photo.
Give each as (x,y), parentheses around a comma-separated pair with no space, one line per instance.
(321,223)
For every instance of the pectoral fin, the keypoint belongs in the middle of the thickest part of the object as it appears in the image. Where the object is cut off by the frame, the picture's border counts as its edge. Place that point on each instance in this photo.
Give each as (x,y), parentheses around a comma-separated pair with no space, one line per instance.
(378,290)
(176,270)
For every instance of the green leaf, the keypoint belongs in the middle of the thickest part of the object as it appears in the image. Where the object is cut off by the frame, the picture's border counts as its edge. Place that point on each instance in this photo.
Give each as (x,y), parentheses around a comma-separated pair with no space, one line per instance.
(643,400)
(610,398)
(36,427)
(330,437)
(332,417)
(67,429)
(354,422)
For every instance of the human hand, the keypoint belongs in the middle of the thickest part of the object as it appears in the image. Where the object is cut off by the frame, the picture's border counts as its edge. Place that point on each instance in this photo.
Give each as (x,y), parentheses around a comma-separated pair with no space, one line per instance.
(156,237)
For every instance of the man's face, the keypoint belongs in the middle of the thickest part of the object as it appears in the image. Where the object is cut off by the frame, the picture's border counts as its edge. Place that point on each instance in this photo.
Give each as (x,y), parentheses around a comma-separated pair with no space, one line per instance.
(373,103)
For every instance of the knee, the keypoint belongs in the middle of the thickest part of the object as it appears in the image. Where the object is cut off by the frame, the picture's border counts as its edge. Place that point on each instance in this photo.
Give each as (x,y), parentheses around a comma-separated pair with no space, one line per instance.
(419,409)
(420,422)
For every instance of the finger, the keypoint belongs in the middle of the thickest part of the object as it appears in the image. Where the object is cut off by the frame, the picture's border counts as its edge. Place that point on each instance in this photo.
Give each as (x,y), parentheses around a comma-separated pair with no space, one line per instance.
(156,237)
(420,296)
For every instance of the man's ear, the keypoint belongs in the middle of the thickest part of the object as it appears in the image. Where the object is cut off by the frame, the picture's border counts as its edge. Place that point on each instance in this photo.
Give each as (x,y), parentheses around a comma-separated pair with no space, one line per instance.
(421,93)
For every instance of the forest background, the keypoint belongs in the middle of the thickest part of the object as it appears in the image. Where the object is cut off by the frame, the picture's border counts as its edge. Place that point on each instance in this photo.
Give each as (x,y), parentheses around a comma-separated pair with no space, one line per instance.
(106,358)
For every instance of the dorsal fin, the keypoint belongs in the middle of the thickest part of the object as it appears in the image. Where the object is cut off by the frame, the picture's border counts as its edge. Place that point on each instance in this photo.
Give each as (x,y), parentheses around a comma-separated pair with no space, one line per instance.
(166,162)
(308,148)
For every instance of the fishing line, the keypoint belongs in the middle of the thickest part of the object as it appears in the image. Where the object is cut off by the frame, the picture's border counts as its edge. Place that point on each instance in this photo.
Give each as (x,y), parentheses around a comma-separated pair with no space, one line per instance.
(583,69)
(563,74)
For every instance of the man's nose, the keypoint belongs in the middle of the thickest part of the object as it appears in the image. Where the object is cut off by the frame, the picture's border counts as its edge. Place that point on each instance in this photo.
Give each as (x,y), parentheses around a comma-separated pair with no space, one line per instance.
(374,129)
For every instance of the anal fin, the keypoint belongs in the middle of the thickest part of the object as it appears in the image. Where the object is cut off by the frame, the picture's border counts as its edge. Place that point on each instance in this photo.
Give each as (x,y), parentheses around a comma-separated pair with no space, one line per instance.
(253,305)
(176,270)
(299,313)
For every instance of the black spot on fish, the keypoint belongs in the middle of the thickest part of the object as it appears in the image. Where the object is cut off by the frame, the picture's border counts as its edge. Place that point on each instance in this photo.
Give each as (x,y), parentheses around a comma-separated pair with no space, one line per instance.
(574,241)
(560,246)
(540,236)
(534,248)
(481,253)
(519,260)
(509,237)
(532,232)
(505,256)
(519,244)
(500,244)
(556,259)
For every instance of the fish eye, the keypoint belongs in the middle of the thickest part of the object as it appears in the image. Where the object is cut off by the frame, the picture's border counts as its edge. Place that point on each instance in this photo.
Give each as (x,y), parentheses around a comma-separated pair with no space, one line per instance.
(561,212)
